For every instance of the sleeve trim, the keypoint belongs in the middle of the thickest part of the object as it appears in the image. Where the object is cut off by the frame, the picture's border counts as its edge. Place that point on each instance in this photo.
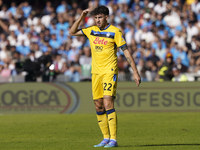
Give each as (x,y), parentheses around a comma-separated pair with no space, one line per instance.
(83,32)
(123,47)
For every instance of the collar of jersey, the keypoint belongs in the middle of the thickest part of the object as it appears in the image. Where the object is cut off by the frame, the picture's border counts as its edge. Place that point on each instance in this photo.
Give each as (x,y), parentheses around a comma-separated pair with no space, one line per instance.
(105,27)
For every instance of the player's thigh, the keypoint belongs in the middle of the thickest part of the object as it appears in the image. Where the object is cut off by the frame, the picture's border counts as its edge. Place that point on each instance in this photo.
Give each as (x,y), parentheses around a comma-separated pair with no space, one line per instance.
(110,84)
(97,89)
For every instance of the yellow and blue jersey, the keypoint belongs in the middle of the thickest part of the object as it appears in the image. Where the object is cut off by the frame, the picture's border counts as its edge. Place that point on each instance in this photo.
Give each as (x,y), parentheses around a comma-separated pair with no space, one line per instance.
(104,45)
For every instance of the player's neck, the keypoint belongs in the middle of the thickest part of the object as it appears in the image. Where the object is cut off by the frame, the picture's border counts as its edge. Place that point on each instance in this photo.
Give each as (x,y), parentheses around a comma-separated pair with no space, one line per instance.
(105,27)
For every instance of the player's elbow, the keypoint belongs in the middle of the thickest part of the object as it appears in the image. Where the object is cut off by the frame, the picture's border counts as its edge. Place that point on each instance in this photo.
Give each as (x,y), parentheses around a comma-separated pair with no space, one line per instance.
(71,33)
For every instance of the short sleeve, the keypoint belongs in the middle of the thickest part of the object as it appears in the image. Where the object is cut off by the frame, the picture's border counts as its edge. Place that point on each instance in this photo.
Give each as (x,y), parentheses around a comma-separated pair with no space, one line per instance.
(86,31)
(119,40)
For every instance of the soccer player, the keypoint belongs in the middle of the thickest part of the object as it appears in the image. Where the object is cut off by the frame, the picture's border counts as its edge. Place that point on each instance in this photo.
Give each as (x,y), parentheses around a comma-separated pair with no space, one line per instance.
(104,39)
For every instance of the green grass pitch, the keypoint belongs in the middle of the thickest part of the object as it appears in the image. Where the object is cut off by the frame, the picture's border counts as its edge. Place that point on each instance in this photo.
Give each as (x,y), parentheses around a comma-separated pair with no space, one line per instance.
(136,131)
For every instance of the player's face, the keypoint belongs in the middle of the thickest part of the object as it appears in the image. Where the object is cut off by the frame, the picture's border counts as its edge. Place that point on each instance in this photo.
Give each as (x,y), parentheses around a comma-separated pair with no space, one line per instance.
(101,20)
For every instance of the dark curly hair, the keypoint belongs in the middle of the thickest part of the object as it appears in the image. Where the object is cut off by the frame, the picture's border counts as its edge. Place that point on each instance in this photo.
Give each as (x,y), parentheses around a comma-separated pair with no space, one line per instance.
(100,10)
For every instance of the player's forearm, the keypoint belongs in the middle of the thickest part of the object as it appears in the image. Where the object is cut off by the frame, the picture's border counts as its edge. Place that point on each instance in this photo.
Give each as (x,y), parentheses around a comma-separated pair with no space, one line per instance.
(130,60)
(75,26)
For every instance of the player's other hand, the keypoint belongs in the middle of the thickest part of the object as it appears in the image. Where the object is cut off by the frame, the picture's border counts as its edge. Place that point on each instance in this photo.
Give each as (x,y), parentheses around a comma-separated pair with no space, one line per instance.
(137,78)
(85,12)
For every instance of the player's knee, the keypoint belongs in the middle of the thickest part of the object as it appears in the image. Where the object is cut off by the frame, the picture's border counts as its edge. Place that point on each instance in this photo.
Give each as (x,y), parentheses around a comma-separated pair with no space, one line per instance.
(99,107)
(108,102)
(109,106)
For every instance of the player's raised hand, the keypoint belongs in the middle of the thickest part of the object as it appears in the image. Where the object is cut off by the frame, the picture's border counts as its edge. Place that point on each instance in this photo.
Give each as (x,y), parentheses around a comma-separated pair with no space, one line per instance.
(137,78)
(85,12)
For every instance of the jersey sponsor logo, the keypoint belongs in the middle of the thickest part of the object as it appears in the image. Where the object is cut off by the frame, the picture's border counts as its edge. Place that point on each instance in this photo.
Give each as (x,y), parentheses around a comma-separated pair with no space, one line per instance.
(108,34)
(98,48)
(98,41)
(103,34)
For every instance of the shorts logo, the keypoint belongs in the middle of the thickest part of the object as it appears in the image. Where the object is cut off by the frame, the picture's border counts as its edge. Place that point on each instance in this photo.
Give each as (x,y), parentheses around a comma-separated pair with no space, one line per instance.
(98,41)
(98,48)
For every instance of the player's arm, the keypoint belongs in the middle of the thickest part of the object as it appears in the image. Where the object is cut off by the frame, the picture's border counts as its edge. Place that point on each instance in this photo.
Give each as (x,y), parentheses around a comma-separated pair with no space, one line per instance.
(74,29)
(131,61)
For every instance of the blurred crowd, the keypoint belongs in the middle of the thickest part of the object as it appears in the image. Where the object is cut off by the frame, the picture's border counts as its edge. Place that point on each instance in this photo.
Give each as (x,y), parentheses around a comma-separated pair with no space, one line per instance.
(37,43)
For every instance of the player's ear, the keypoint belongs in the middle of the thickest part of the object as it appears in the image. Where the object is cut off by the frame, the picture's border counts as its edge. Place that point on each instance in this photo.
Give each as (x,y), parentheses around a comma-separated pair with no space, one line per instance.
(106,17)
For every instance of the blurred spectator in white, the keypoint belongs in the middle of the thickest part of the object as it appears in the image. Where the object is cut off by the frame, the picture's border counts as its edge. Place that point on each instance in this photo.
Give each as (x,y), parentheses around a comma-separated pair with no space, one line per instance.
(160,7)
(38,51)
(28,40)
(4,13)
(195,6)
(172,20)
(77,42)
(3,40)
(179,39)
(32,56)
(46,19)
(22,36)
(160,51)
(12,38)
(146,22)
(64,68)
(129,36)
(146,35)
(12,25)
(32,20)
(38,26)
(4,54)
(109,5)
(192,30)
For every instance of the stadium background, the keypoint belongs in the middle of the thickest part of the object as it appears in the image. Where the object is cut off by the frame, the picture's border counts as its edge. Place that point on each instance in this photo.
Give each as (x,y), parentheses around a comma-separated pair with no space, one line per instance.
(37,80)
(36,46)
